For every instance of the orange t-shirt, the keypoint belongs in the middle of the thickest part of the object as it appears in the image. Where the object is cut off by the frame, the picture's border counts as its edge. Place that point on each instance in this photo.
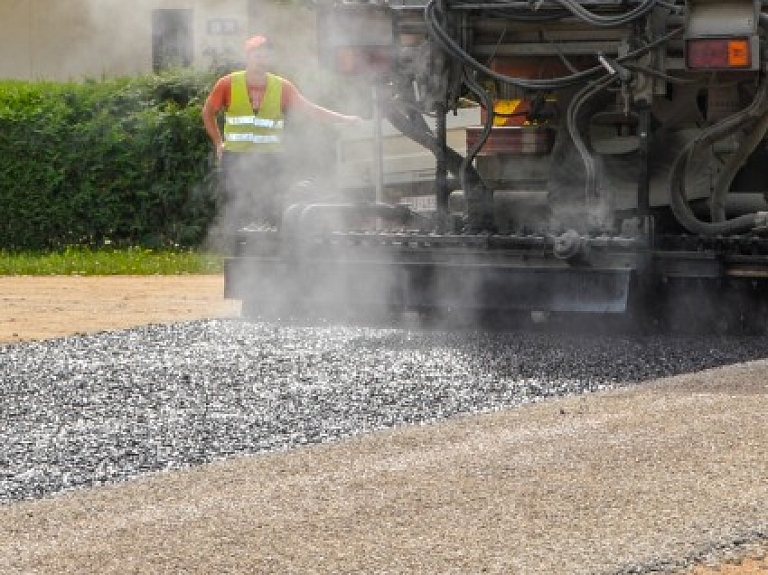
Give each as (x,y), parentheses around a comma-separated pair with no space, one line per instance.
(220,95)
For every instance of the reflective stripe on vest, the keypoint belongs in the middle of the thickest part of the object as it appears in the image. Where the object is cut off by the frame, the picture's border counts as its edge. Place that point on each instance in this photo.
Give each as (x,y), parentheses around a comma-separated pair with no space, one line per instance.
(254,138)
(245,131)
(255,121)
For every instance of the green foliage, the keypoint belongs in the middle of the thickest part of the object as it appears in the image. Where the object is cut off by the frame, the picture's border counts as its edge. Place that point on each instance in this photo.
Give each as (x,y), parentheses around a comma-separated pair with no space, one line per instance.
(77,260)
(124,161)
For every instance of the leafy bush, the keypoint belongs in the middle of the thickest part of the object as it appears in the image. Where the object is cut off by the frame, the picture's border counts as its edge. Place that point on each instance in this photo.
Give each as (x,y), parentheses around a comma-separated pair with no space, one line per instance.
(125,162)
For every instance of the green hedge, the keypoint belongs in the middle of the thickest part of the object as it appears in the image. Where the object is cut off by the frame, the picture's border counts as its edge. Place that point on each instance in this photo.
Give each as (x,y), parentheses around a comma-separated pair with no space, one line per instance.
(123,162)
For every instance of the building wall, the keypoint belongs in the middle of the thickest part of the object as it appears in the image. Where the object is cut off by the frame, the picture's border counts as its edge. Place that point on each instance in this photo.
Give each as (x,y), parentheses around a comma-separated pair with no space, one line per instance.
(80,39)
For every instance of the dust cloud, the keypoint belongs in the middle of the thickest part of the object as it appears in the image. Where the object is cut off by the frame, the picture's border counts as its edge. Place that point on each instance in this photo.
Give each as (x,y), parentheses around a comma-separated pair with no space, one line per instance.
(273,213)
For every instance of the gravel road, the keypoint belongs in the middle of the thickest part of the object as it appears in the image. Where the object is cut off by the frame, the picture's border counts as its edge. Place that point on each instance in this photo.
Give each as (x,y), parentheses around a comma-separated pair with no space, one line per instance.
(92,409)
(548,459)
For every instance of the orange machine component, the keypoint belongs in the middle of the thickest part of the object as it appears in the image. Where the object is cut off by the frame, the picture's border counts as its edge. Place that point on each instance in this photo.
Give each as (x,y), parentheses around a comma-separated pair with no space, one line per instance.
(508,112)
(512,132)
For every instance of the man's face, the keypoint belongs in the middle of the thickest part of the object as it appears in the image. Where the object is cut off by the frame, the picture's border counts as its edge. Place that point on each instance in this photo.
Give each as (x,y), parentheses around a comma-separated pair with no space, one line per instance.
(259,59)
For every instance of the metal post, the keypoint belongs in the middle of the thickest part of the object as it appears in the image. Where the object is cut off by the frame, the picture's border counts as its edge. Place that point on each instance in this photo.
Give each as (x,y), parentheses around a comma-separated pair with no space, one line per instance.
(378,147)
(441,168)
(643,180)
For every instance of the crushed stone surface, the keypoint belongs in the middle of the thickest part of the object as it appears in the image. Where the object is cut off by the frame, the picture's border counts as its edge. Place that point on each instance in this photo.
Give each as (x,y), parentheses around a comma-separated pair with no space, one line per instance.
(268,448)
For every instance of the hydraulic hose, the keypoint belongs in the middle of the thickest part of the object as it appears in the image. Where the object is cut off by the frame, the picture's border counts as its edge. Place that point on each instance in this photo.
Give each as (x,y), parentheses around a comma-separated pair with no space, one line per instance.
(590,187)
(447,43)
(444,39)
(733,165)
(487,102)
(414,127)
(757,110)
(607,21)
(524,11)
(481,196)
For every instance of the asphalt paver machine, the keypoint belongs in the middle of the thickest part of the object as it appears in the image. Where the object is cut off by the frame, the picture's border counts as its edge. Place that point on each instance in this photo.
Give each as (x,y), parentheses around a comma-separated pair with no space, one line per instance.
(618,167)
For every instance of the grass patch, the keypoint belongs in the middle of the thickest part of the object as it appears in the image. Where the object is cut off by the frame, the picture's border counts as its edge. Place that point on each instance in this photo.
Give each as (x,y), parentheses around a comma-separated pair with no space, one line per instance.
(104,261)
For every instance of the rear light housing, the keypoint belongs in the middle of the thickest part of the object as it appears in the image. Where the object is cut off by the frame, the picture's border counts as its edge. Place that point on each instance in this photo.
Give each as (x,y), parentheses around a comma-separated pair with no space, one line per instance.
(720,54)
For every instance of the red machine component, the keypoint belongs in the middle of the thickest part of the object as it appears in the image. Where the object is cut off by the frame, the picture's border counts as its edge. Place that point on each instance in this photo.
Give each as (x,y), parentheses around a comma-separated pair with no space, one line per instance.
(513,140)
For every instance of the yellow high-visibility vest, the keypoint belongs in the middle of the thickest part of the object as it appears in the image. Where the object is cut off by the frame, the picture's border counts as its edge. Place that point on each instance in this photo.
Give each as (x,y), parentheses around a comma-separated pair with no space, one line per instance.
(247,131)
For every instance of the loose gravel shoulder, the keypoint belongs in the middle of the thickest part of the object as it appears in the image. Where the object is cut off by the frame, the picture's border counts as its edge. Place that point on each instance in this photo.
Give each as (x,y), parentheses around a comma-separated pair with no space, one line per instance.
(266,448)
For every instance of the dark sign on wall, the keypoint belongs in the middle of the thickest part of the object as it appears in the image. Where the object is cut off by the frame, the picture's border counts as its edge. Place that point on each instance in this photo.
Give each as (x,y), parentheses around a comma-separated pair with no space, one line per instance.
(222,26)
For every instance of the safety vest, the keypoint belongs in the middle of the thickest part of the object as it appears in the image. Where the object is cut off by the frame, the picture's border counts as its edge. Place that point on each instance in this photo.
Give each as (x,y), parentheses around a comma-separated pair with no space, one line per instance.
(245,131)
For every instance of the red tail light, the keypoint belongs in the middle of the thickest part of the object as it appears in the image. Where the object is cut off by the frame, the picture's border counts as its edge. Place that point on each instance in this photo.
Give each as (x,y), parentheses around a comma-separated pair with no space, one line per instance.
(718,53)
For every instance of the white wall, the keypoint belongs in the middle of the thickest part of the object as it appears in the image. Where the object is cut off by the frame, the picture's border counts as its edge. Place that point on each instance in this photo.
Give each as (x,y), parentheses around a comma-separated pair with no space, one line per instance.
(78,39)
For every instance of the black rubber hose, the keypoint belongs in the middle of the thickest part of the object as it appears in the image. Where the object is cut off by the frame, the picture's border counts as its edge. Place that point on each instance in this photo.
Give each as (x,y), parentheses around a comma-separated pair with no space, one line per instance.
(607,21)
(591,191)
(415,127)
(732,166)
(678,200)
(447,43)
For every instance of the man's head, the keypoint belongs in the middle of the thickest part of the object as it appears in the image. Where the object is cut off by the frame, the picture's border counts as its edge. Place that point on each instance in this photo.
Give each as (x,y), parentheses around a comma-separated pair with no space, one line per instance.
(258,53)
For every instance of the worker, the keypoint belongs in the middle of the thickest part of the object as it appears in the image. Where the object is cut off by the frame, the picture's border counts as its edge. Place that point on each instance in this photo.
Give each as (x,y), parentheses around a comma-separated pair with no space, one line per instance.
(251,149)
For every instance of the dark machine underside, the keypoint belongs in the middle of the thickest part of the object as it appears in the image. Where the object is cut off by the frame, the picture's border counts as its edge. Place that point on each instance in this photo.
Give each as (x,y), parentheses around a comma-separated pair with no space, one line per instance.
(618,169)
